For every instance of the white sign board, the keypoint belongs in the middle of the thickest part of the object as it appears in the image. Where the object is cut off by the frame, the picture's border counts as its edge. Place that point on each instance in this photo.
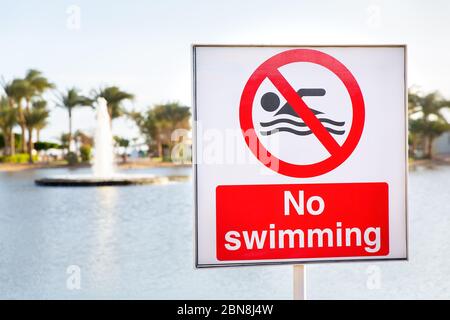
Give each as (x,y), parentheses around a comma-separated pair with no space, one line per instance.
(300,154)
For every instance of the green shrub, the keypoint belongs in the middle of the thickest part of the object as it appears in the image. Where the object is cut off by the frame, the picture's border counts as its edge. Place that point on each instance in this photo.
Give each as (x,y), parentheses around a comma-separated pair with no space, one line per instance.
(71,158)
(17,141)
(43,145)
(85,152)
(17,158)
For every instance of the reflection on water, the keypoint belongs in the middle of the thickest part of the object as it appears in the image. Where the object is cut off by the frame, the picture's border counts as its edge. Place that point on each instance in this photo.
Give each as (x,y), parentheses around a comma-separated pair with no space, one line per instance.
(136,242)
(103,257)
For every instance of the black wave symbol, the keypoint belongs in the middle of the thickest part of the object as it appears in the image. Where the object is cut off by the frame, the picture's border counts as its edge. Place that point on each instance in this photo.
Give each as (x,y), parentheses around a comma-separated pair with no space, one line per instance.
(299,133)
(299,123)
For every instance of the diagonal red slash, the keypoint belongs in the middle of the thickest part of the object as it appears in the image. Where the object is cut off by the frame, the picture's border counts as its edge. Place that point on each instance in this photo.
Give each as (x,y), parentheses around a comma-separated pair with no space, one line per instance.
(303,111)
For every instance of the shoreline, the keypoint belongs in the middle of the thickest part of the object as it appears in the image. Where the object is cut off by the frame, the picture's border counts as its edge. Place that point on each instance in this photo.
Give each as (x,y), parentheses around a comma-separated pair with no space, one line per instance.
(139,164)
(144,163)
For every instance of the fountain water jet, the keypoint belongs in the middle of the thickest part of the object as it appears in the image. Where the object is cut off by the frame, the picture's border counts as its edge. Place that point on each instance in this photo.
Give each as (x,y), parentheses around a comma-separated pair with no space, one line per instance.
(103,141)
(103,173)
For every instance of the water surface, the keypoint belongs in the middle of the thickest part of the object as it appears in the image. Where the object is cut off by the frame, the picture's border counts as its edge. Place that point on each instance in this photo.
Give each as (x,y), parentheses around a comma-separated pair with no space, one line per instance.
(135,242)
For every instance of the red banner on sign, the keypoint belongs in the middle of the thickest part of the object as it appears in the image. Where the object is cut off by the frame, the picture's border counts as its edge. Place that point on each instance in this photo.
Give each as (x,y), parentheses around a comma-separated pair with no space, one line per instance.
(258,222)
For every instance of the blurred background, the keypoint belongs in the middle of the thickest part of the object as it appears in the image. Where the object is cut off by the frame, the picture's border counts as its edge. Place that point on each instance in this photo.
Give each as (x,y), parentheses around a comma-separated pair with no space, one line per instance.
(135,242)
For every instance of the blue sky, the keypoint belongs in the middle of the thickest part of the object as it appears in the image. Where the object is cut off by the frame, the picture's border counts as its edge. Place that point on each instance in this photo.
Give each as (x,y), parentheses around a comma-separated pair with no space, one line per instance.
(144,46)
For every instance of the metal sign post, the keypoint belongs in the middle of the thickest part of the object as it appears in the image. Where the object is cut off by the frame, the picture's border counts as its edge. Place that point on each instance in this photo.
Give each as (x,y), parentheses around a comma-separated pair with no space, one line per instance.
(299,282)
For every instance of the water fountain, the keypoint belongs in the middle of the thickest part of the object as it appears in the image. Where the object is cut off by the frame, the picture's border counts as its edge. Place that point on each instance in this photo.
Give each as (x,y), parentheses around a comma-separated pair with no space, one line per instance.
(103,171)
(103,141)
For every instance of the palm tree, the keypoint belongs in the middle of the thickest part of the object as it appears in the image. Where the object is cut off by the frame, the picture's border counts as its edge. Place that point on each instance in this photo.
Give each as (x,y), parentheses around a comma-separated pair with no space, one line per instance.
(16,91)
(146,123)
(35,116)
(427,117)
(38,82)
(39,128)
(70,100)
(114,98)
(64,139)
(35,85)
(8,119)
(159,122)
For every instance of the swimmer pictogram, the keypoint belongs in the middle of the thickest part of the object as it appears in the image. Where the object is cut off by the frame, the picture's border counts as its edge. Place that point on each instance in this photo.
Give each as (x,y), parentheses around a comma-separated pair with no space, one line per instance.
(270,102)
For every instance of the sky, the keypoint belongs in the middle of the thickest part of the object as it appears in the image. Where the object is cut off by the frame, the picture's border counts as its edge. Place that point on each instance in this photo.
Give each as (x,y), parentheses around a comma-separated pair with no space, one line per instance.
(145,46)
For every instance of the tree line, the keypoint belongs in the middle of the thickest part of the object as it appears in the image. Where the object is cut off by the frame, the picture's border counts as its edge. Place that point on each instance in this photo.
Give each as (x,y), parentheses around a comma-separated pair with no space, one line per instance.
(23,105)
(426,122)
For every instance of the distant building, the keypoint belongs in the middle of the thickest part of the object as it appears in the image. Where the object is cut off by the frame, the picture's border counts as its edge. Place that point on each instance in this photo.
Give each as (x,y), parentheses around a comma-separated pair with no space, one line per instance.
(442,144)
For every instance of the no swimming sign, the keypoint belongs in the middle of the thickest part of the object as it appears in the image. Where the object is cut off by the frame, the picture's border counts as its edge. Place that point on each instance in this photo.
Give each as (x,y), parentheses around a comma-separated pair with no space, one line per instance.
(300,154)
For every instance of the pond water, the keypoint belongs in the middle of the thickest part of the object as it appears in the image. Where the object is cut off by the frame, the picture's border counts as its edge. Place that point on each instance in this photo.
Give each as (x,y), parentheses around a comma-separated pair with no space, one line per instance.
(135,242)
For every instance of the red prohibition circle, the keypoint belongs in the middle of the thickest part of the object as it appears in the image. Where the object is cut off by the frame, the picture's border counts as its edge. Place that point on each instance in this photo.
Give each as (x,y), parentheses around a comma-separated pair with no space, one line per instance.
(270,67)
